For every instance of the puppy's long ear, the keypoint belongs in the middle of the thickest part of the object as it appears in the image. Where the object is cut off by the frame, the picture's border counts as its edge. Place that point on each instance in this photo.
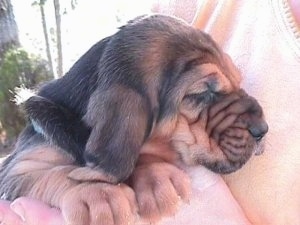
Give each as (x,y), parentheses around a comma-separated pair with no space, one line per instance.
(121,119)
(52,112)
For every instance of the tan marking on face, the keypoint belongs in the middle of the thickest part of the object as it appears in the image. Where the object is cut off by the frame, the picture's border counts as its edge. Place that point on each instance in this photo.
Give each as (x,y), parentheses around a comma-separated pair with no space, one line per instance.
(201,149)
(207,72)
(165,128)
(185,138)
(204,78)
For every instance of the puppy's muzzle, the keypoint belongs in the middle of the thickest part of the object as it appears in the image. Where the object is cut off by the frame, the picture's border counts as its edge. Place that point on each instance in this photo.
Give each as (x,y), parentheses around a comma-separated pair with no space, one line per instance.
(237,127)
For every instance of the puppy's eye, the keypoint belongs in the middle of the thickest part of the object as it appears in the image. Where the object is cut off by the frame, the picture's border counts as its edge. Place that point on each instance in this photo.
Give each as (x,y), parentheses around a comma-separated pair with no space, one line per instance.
(191,64)
(199,98)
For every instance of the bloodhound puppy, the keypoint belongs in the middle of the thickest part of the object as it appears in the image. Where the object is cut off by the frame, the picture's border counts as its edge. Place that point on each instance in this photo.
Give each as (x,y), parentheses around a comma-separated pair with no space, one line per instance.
(109,138)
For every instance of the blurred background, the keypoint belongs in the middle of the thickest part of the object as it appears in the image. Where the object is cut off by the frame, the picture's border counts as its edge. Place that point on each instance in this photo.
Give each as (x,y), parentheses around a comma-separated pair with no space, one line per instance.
(40,40)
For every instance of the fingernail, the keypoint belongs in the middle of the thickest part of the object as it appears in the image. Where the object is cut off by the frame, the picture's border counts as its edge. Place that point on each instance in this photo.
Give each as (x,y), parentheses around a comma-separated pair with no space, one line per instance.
(18,209)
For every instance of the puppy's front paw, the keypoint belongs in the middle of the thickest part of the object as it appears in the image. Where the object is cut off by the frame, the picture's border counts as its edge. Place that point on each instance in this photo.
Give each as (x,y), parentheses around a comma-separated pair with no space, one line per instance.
(99,204)
(159,187)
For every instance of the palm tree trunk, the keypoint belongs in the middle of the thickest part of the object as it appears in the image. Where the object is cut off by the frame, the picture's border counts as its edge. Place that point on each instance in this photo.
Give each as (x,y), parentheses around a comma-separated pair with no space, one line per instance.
(45,30)
(58,37)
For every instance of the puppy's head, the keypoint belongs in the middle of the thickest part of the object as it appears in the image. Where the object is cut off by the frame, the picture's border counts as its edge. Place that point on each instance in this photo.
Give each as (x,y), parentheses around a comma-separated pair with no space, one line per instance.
(195,94)
(160,78)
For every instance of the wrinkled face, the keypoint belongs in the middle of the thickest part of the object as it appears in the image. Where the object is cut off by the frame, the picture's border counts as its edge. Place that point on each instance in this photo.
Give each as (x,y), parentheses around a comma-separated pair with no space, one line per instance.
(218,125)
(193,88)
(224,135)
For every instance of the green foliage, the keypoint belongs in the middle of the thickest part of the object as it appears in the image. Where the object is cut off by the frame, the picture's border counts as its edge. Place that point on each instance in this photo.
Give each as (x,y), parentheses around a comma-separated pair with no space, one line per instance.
(17,69)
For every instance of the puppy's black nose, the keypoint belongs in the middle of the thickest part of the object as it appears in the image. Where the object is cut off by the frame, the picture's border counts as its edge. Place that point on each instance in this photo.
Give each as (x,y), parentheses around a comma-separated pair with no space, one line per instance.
(258,131)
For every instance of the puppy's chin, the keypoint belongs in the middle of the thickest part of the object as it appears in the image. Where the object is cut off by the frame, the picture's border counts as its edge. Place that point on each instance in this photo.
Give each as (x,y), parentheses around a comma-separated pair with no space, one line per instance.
(228,153)
(235,147)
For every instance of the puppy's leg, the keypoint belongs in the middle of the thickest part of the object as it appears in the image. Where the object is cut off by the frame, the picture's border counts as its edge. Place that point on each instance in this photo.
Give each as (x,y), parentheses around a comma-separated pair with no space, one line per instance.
(43,172)
(58,125)
(159,187)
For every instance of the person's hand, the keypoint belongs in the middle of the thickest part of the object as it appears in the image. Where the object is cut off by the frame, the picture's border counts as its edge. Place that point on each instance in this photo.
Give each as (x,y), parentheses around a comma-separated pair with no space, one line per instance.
(211,203)
(27,211)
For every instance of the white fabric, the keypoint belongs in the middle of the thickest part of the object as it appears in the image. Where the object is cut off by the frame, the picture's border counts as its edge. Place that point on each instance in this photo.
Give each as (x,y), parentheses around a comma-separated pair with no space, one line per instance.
(263,39)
